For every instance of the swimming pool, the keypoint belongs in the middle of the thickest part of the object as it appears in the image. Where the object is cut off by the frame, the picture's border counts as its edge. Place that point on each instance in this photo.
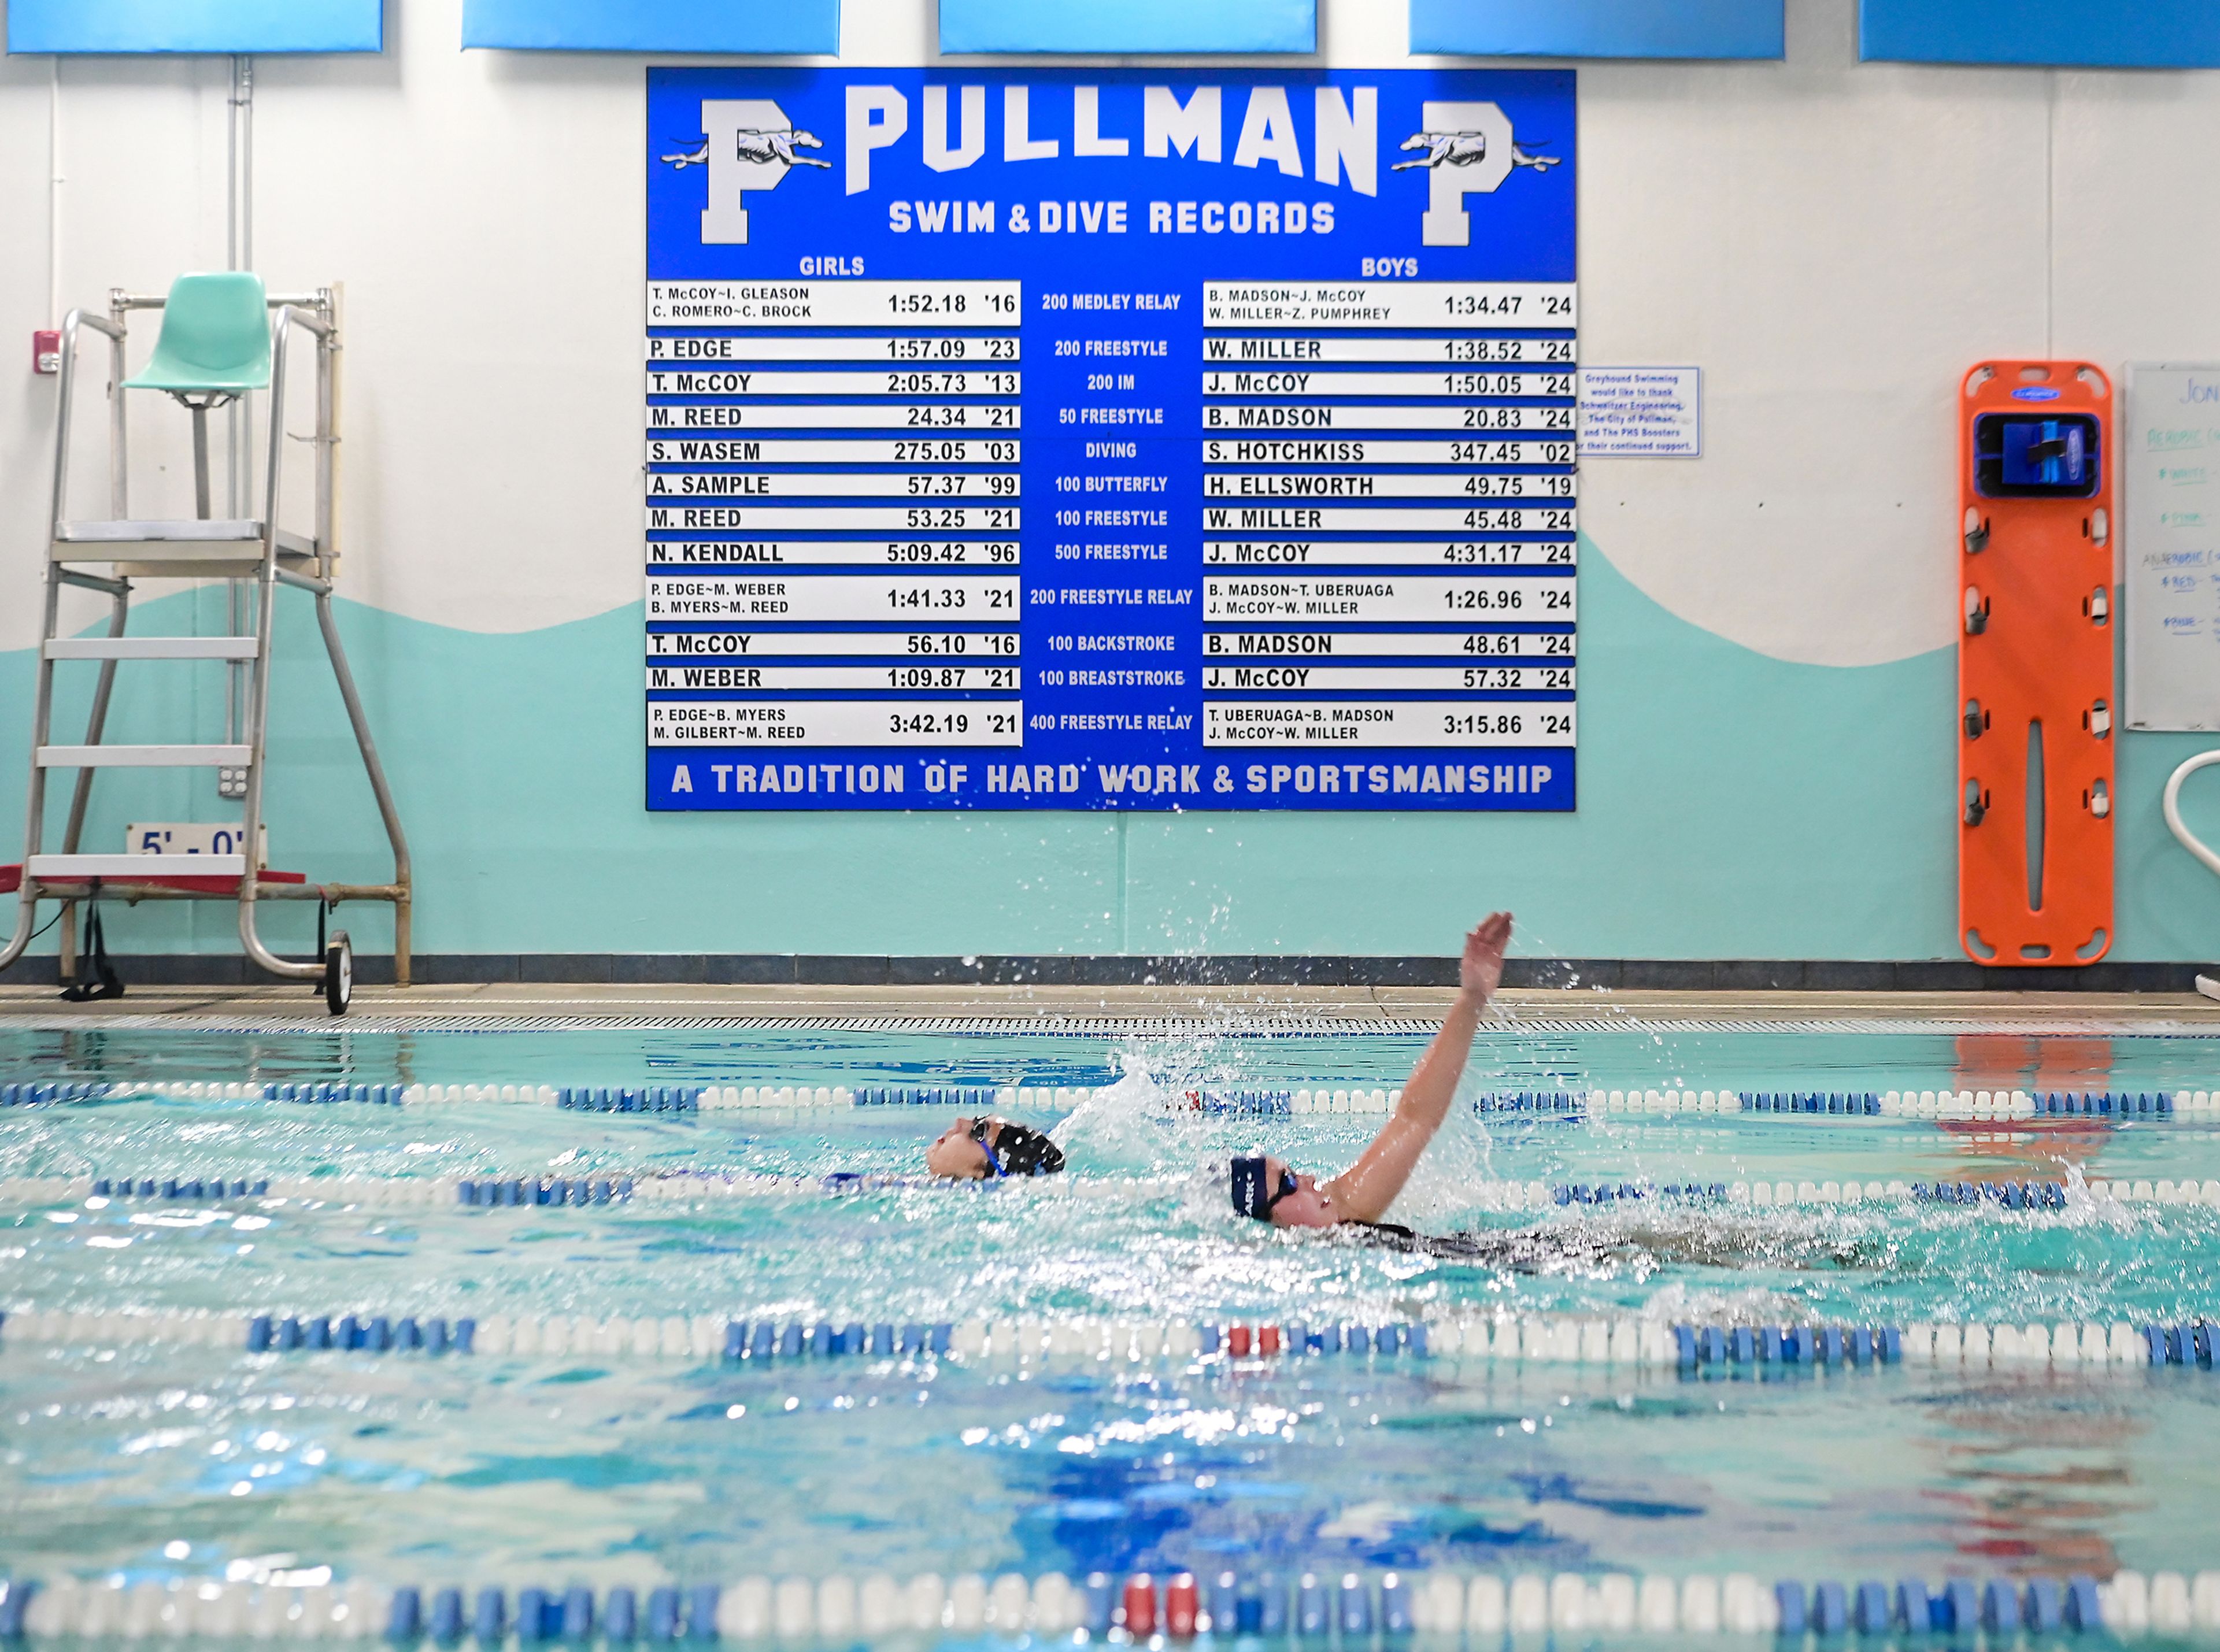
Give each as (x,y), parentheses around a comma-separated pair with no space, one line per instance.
(1134,1433)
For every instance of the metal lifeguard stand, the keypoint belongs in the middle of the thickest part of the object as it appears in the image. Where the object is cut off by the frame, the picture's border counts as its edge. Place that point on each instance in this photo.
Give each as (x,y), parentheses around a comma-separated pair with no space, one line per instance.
(221,337)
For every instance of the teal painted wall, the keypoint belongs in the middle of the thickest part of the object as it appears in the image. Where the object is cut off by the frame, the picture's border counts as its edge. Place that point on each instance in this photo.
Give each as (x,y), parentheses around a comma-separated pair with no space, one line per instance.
(1731,806)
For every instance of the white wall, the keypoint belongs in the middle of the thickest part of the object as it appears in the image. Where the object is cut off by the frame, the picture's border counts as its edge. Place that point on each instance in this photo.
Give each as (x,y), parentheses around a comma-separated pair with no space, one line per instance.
(1833,243)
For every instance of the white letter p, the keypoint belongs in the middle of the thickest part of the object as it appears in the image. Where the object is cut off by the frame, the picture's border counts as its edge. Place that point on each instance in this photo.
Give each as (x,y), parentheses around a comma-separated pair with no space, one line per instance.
(877,116)
(1447,223)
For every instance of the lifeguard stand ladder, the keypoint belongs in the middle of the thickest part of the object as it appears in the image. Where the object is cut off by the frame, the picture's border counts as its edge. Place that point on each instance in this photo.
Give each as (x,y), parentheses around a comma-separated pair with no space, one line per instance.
(221,337)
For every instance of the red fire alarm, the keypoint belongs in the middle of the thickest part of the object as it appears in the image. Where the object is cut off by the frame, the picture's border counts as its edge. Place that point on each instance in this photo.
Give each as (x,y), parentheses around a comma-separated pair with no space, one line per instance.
(47,350)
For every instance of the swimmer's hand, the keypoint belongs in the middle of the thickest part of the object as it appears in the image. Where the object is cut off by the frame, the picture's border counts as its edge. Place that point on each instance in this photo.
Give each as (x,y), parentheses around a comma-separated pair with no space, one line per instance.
(1481,971)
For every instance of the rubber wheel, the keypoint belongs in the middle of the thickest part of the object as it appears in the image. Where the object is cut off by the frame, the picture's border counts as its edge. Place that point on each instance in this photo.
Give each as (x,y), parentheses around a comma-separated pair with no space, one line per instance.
(339,973)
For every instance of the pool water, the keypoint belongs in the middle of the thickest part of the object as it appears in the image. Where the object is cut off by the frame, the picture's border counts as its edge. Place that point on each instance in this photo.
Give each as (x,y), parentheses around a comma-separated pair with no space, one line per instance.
(164,1461)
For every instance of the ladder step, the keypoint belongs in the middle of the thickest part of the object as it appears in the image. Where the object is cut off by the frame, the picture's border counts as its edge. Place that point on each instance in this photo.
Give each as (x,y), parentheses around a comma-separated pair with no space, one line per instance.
(151,648)
(142,530)
(143,757)
(158,529)
(126,539)
(63,867)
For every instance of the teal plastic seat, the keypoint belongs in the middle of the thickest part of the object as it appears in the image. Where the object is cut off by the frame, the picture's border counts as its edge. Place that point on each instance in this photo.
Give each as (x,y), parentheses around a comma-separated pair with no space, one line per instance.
(214,339)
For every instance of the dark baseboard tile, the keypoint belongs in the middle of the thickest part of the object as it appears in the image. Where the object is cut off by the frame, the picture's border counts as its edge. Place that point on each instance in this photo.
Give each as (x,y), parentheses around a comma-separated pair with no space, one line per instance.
(760,969)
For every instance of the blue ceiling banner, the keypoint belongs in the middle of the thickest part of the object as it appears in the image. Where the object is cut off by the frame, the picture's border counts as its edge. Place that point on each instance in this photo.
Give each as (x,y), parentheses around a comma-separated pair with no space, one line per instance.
(2125,35)
(791,27)
(263,27)
(1600,28)
(1129,26)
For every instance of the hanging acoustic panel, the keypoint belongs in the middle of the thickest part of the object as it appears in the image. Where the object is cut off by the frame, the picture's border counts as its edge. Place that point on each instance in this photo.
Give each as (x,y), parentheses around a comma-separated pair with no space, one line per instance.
(790,27)
(1129,26)
(261,27)
(1599,28)
(2124,34)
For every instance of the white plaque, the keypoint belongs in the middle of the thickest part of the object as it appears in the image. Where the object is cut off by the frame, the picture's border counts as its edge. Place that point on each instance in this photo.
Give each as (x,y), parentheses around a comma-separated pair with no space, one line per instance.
(1641,412)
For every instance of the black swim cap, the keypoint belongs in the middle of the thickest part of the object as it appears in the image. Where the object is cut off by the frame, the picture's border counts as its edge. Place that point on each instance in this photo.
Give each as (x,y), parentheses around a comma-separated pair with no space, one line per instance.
(1017,1149)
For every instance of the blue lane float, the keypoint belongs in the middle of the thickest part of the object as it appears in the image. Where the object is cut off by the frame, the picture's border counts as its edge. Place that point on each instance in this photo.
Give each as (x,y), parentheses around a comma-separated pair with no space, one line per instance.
(1835,1104)
(1698,1346)
(33,1095)
(2007,1195)
(925,1095)
(651,1097)
(542,1190)
(2197,1344)
(1538,1101)
(371,1333)
(388,1095)
(2146,1105)
(52,1094)
(186,1189)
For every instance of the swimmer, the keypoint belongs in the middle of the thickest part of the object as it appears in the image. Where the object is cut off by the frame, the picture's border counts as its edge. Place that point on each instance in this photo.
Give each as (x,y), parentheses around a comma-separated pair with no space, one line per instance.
(987,1150)
(1269,1190)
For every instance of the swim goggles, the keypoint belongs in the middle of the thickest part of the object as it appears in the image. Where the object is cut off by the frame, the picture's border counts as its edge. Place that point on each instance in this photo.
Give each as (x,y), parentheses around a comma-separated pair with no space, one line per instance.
(982,1133)
(1252,1195)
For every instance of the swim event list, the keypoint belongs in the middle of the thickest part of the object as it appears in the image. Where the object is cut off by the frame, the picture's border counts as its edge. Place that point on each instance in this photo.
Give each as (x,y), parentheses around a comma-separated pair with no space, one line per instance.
(1097,440)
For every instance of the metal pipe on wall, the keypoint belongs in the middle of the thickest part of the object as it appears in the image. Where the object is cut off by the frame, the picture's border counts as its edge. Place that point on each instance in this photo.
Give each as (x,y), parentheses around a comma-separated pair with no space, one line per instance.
(239,248)
(54,191)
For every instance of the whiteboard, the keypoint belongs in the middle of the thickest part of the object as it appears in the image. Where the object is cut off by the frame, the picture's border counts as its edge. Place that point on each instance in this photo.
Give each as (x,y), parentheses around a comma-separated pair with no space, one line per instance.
(2170,468)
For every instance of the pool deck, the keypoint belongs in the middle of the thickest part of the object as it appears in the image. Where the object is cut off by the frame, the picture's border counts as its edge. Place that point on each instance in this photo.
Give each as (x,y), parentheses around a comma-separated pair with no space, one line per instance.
(24,1005)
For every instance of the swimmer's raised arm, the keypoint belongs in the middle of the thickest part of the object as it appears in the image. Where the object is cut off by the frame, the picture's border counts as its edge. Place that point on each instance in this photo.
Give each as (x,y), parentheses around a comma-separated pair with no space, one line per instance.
(1364,1191)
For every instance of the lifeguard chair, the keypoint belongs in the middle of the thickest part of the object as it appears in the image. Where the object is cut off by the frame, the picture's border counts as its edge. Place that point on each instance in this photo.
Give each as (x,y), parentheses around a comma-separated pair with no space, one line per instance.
(221,337)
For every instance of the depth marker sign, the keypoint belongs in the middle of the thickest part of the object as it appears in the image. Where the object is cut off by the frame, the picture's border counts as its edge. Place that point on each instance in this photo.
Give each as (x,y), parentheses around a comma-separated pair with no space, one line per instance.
(1098,439)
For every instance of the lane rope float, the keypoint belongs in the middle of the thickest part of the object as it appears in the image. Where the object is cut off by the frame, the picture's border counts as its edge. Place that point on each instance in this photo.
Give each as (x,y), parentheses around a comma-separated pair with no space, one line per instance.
(1363,1608)
(1302,1101)
(2090,1347)
(492,1189)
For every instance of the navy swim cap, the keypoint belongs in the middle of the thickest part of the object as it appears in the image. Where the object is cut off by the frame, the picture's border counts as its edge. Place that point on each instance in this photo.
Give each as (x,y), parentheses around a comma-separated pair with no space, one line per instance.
(1251,1197)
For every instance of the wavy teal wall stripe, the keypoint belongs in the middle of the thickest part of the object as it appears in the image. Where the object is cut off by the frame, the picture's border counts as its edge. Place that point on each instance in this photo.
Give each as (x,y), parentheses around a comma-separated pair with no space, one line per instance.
(1731,806)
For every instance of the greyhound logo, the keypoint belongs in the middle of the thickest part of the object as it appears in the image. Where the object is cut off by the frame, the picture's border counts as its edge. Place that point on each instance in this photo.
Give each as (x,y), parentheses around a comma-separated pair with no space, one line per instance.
(1470,150)
(747,143)
(1464,149)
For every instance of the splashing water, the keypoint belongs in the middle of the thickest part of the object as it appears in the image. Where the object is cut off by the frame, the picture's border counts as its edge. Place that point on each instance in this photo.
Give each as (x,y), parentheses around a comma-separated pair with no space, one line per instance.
(1440,1194)
(1119,1128)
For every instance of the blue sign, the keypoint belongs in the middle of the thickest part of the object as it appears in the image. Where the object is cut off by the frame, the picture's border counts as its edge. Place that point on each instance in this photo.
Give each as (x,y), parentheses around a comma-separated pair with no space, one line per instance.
(1110,438)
